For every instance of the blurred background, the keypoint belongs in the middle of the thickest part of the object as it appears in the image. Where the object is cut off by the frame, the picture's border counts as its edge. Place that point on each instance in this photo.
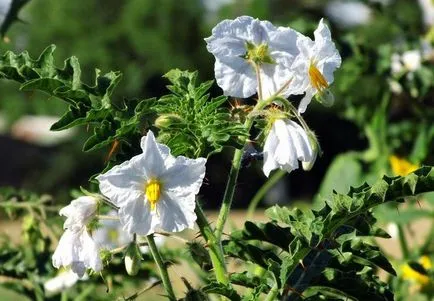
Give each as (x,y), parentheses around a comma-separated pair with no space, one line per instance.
(381,123)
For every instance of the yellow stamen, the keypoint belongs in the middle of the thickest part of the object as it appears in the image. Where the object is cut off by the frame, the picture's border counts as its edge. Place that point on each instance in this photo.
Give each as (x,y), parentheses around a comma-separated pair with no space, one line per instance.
(317,79)
(153,192)
(401,167)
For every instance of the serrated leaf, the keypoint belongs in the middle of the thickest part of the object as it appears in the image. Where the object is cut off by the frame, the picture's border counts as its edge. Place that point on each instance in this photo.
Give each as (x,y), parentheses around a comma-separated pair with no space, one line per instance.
(221,289)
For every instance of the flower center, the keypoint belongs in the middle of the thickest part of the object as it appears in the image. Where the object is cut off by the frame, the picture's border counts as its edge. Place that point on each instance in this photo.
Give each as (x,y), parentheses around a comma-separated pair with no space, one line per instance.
(153,192)
(113,235)
(317,79)
(258,54)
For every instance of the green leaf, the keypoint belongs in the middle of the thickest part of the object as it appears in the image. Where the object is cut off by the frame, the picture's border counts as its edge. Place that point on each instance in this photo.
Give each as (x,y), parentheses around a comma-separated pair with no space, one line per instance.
(221,289)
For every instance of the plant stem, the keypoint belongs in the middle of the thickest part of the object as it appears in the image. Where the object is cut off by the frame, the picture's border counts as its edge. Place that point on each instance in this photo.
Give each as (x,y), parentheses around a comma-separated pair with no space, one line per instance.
(262,191)
(229,193)
(215,249)
(403,242)
(161,266)
(233,173)
(272,294)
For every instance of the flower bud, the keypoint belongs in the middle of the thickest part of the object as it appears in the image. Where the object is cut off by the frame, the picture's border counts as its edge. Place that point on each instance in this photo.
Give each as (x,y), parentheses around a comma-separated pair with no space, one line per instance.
(132,259)
(326,98)
(166,120)
(307,165)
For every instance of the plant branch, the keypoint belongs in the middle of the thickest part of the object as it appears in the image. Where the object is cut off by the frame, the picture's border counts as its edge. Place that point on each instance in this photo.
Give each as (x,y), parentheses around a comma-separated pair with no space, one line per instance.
(161,266)
(215,248)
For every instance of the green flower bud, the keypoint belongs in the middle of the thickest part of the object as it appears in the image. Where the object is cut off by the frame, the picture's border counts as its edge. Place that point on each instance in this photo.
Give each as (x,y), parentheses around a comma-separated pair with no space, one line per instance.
(132,259)
(315,148)
(166,120)
(326,98)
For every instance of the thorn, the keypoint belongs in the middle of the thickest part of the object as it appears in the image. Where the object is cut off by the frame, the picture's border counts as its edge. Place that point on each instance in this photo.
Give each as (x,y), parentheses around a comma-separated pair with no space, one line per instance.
(302,265)
(114,147)
(418,202)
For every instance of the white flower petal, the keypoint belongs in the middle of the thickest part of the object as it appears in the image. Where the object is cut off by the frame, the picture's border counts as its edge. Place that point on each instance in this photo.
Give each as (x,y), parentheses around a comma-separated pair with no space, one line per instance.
(285,153)
(126,184)
(61,282)
(287,143)
(310,92)
(154,155)
(234,73)
(176,212)
(322,53)
(236,77)
(79,212)
(136,217)
(270,146)
(186,175)
(77,250)
(301,142)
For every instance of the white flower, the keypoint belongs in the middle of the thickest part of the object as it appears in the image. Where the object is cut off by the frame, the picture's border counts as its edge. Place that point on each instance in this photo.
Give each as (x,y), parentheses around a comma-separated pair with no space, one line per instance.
(286,144)
(61,282)
(154,189)
(427,7)
(315,64)
(348,13)
(396,64)
(412,60)
(5,6)
(77,250)
(239,44)
(79,212)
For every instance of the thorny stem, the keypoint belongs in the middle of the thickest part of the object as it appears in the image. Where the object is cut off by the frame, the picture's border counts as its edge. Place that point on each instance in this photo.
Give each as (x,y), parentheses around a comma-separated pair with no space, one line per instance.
(214,240)
(215,248)
(161,267)
(233,173)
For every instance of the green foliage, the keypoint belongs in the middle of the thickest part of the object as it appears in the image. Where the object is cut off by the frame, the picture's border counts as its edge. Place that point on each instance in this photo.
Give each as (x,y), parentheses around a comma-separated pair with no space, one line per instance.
(192,124)
(327,253)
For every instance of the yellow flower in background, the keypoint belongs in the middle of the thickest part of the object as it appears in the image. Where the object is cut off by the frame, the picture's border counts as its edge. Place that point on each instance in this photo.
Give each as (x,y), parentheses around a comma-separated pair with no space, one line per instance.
(401,167)
(408,273)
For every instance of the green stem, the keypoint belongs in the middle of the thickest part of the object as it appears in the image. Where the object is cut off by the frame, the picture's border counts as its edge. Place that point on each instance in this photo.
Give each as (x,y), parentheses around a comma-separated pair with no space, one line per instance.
(272,294)
(428,240)
(403,242)
(233,173)
(215,249)
(229,193)
(262,191)
(161,266)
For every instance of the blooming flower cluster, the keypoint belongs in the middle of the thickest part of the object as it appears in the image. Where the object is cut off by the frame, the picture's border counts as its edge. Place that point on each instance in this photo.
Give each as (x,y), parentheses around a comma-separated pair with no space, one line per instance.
(288,62)
(153,190)
(254,56)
